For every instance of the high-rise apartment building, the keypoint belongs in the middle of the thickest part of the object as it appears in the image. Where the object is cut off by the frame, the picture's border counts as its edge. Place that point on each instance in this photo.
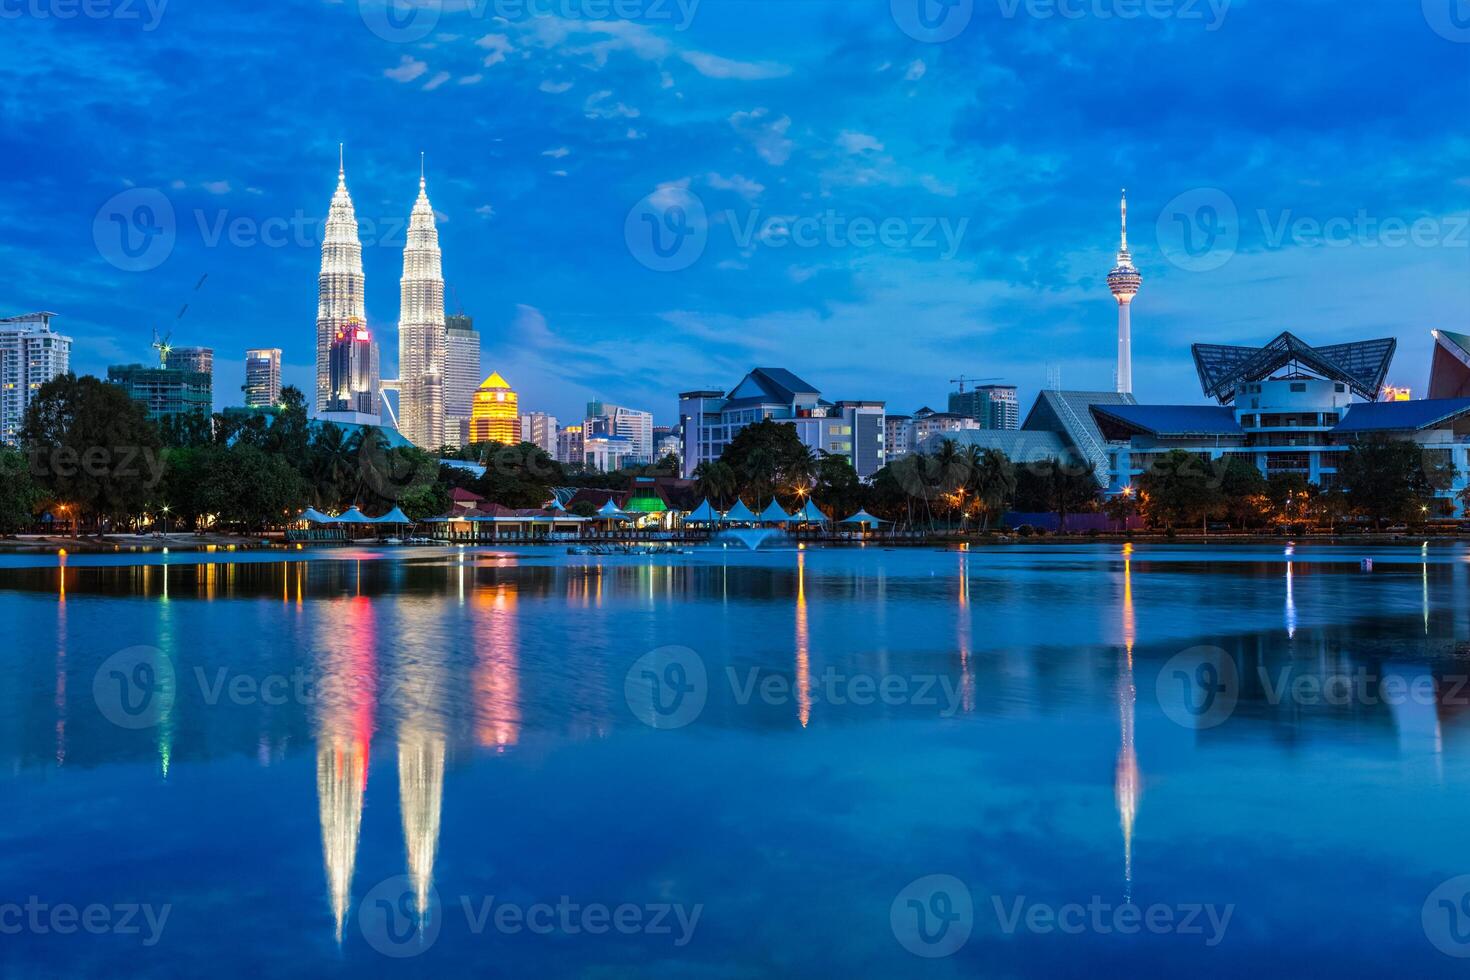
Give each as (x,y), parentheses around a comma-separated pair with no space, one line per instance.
(606,419)
(540,428)
(262,377)
(569,445)
(31,354)
(461,375)
(199,359)
(993,406)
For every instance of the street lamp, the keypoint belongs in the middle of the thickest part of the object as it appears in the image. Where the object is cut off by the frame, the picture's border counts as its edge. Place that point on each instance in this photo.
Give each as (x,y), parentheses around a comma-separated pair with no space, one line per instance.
(165,520)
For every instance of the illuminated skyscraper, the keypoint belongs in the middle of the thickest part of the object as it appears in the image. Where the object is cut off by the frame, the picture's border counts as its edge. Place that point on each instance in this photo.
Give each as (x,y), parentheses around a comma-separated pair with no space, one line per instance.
(540,428)
(1124,281)
(461,375)
(339,286)
(496,416)
(30,355)
(421,336)
(350,374)
(262,377)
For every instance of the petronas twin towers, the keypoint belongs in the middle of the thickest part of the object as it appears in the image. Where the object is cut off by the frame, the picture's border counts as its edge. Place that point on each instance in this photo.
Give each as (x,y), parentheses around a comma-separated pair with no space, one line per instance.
(421,337)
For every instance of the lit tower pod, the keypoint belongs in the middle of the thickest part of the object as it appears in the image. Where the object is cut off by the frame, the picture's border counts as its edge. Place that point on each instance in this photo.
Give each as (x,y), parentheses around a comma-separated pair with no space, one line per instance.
(340,285)
(421,328)
(496,415)
(1124,281)
(350,375)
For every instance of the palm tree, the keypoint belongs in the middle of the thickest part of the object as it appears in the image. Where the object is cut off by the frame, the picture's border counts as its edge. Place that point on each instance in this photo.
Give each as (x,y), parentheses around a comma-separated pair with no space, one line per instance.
(992,479)
(331,463)
(801,470)
(760,474)
(715,481)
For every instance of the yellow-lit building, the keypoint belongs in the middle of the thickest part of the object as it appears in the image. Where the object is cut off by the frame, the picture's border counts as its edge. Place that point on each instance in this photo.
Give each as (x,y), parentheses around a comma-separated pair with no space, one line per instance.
(496,414)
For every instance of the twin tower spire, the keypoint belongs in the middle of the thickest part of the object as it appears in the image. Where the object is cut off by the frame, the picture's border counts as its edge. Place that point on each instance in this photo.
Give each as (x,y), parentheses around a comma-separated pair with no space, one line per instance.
(421,336)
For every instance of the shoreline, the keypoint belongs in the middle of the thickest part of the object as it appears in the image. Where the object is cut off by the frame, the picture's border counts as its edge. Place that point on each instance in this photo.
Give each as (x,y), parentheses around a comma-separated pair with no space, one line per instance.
(189,542)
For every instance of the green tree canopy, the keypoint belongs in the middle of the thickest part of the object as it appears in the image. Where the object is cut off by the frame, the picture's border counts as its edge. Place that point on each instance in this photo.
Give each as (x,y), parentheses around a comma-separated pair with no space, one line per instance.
(92,447)
(1179,488)
(1391,479)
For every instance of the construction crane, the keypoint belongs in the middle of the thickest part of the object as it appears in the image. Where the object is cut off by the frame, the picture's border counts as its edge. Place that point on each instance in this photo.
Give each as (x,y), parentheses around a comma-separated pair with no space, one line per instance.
(963,379)
(162,346)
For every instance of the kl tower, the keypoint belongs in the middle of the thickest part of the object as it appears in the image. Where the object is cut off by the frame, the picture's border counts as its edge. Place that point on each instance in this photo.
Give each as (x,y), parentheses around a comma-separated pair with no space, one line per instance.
(1124,282)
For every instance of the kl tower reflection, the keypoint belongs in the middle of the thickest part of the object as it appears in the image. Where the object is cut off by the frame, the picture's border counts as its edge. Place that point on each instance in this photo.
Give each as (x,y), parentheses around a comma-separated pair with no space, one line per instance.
(1126,778)
(347,700)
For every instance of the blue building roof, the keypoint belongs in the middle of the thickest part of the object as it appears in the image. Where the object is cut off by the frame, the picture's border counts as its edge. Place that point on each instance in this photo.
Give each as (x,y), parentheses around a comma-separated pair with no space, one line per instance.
(1125,421)
(1401,416)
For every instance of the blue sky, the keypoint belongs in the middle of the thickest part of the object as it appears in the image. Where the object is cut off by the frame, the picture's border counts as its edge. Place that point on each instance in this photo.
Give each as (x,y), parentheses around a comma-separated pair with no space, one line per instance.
(875,205)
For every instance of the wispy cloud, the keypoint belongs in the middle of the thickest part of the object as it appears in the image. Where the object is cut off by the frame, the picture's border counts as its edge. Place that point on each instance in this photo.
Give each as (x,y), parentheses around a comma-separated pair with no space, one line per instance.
(408,69)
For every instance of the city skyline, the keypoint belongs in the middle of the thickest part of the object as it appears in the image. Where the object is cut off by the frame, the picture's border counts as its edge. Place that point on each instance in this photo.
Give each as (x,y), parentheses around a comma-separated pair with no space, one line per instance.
(592,118)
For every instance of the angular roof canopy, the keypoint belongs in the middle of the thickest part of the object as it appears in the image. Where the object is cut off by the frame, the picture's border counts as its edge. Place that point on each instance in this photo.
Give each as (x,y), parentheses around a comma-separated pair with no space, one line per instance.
(704,513)
(493,382)
(1449,368)
(811,514)
(774,513)
(1068,414)
(394,516)
(610,509)
(1121,422)
(1411,416)
(771,386)
(740,513)
(1362,366)
(315,516)
(861,517)
(353,516)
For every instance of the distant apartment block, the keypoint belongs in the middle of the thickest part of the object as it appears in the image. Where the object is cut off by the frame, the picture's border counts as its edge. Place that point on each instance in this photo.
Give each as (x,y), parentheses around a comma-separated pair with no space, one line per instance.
(262,377)
(31,354)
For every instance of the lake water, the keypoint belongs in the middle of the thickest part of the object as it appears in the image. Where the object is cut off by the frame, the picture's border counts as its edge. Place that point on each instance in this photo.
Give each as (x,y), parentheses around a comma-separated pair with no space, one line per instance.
(1023,761)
